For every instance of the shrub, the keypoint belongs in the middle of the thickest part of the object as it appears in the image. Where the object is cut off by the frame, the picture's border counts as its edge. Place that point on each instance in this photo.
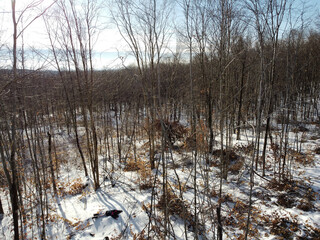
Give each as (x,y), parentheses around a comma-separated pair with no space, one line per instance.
(284,185)
(73,188)
(145,175)
(176,206)
(236,166)
(317,150)
(131,165)
(245,149)
(305,205)
(302,158)
(283,226)
(285,200)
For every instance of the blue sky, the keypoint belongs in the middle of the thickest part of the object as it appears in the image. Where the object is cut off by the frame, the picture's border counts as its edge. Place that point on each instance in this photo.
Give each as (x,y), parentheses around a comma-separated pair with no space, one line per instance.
(110,48)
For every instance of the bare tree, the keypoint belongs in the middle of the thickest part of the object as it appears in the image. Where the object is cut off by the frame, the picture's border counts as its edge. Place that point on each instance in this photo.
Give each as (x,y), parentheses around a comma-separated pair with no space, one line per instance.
(77,27)
(144,27)
(9,157)
(274,19)
(268,16)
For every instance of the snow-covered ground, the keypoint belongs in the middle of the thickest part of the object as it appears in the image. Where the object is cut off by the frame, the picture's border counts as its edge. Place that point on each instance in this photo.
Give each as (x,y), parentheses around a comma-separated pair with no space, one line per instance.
(280,211)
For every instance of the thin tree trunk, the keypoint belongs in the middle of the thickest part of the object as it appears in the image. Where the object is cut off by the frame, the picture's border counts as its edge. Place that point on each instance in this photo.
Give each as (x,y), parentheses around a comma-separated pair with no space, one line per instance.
(51,165)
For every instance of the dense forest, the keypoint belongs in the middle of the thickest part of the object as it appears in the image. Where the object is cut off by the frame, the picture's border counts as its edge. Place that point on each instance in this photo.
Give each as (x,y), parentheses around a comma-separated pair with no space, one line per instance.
(202,135)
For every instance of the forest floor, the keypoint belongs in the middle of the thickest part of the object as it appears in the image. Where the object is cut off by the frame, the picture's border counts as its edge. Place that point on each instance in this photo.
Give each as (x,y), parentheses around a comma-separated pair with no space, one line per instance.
(286,209)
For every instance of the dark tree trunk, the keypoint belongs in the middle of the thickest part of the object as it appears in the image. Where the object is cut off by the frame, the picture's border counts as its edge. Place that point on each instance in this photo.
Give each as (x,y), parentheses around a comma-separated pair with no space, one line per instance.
(51,166)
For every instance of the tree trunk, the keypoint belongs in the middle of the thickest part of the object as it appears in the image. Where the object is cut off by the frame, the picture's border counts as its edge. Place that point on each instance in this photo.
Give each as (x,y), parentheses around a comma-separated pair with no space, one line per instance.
(51,166)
